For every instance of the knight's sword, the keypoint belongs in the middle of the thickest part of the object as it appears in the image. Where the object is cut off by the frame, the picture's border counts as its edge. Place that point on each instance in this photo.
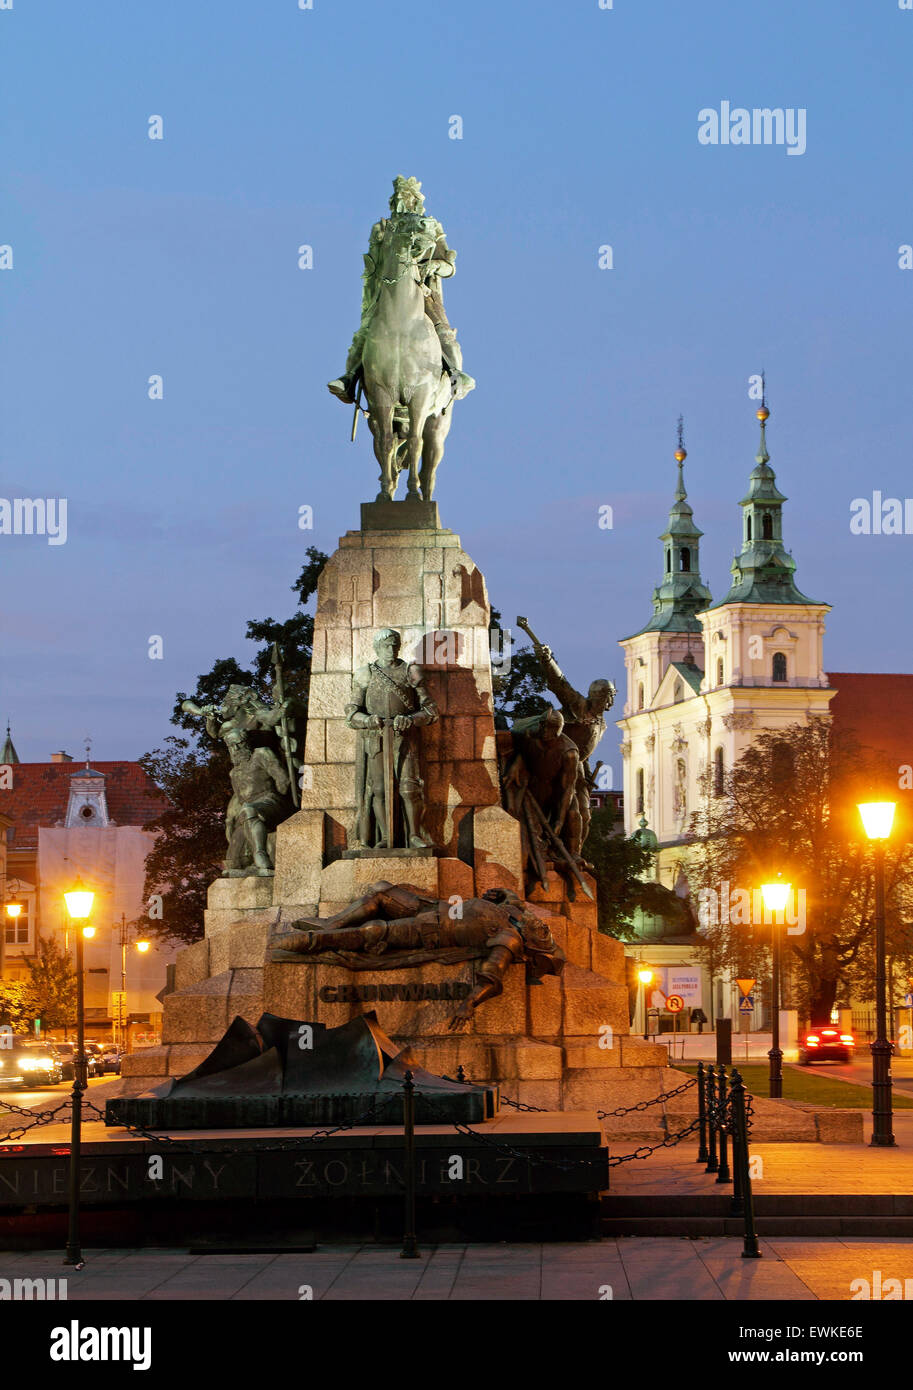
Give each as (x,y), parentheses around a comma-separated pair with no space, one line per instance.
(389,790)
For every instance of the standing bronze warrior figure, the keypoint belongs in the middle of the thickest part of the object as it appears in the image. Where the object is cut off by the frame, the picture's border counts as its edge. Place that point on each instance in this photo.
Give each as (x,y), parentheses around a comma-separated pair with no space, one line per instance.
(389,706)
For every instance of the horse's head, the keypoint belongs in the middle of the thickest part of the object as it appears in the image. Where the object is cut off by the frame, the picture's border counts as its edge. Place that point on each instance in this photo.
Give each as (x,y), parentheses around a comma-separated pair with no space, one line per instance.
(407,238)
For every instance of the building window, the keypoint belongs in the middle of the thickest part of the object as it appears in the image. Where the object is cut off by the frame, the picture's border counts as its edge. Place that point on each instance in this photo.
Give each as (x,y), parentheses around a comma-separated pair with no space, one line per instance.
(748,527)
(767,527)
(17,929)
(720,671)
(685,559)
(778,668)
(640,791)
(719,772)
(678,692)
(640,695)
(668,561)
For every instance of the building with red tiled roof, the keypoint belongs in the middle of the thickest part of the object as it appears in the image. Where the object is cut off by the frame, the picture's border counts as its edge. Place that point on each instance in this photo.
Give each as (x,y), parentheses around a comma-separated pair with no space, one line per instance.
(62,820)
(41,792)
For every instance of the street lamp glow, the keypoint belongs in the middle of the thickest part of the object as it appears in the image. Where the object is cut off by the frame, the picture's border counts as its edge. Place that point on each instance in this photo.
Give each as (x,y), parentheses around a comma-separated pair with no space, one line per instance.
(143,946)
(775,895)
(13,909)
(645,976)
(88,932)
(877,818)
(79,901)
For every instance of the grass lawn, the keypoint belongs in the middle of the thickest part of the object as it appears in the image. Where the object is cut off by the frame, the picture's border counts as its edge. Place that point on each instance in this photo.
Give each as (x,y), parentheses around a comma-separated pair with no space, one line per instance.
(809,1086)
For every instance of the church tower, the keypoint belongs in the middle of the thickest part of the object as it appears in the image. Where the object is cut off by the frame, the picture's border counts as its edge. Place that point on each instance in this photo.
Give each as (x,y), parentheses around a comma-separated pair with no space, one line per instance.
(664,664)
(673,634)
(764,640)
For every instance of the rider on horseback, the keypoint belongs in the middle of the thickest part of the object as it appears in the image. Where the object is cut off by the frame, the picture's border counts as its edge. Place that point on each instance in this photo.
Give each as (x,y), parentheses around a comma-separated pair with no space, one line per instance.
(436,262)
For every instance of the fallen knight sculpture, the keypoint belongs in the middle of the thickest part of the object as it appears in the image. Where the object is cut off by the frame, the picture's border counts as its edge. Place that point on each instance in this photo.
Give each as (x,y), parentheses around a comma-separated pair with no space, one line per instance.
(498,929)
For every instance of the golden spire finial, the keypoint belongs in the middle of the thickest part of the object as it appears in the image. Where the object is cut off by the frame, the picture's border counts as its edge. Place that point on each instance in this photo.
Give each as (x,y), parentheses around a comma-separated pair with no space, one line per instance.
(681,453)
(762,413)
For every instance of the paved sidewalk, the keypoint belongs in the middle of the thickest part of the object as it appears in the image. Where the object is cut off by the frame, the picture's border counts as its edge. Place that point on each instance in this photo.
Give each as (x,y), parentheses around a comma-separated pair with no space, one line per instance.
(822,1169)
(708,1270)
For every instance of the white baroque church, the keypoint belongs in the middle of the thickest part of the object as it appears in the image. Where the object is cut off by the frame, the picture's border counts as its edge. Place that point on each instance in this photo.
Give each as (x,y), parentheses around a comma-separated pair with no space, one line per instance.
(704,679)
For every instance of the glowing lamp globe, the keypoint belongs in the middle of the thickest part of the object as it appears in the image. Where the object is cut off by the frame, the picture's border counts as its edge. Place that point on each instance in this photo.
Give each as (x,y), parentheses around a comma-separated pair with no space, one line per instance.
(877,818)
(775,895)
(645,976)
(143,946)
(79,902)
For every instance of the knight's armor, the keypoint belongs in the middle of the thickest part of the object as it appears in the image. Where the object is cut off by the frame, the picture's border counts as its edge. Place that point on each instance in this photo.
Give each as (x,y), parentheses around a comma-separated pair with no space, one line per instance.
(387,692)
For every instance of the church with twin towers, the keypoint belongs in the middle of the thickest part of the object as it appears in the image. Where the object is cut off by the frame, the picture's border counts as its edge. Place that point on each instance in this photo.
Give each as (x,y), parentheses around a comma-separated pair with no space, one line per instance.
(705,678)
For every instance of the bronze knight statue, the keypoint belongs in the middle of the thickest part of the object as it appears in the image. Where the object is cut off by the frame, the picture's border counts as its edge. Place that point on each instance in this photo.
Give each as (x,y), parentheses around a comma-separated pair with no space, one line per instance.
(389,706)
(405,352)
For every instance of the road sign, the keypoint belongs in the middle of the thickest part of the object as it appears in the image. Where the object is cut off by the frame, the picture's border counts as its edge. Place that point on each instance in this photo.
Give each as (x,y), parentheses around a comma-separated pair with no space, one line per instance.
(746,1005)
(908,1001)
(118,1001)
(674,1003)
(745,987)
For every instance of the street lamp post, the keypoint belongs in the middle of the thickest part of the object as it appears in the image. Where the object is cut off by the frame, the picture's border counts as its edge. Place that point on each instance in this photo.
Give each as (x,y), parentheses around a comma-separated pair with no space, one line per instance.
(877,819)
(645,977)
(79,905)
(776,896)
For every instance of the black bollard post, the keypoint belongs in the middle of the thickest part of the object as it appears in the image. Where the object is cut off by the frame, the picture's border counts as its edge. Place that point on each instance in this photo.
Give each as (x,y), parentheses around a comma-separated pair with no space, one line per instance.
(736,1206)
(750,1250)
(410,1250)
(702,1154)
(712,1162)
(461,1075)
(724,1174)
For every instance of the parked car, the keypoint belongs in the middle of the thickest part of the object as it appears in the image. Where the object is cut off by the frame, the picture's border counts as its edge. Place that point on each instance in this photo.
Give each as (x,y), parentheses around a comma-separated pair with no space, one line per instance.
(825,1044)
(67,1051)
(111,1060)
(30,1064)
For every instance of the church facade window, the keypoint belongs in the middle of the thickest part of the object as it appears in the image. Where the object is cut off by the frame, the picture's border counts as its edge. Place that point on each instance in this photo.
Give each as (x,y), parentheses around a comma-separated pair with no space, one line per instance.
(678,692)
(640,695)
(778,666)
(720,671)
(640,791)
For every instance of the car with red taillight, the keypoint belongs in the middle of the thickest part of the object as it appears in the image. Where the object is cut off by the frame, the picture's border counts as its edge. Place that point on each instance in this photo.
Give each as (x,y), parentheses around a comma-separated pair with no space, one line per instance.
(826,1044)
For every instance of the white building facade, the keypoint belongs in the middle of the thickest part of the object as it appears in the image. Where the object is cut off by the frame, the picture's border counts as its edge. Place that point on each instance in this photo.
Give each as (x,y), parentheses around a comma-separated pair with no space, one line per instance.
(704,679)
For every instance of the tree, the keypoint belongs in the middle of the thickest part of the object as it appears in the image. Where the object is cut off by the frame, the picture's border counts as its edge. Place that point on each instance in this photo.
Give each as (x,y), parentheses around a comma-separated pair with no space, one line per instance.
(17,1005)
(52,985)
(193,772)
(620,864)
(518,687)
(788,806)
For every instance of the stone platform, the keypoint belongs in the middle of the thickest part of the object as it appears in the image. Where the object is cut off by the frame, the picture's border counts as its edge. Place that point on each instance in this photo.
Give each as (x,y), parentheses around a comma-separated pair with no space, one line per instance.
(269,1165)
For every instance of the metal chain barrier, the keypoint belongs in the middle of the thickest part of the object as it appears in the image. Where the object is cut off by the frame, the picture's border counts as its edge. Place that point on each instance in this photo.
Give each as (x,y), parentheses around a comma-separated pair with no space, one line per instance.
(564,1165)
(37,1117)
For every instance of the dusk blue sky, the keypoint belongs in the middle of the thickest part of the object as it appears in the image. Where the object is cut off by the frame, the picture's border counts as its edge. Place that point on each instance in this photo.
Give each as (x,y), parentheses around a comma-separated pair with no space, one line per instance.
(284,127)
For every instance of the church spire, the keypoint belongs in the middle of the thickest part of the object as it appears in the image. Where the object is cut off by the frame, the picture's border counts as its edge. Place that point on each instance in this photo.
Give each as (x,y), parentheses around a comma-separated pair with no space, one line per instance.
(681,594)
(763,570)
(8,754)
